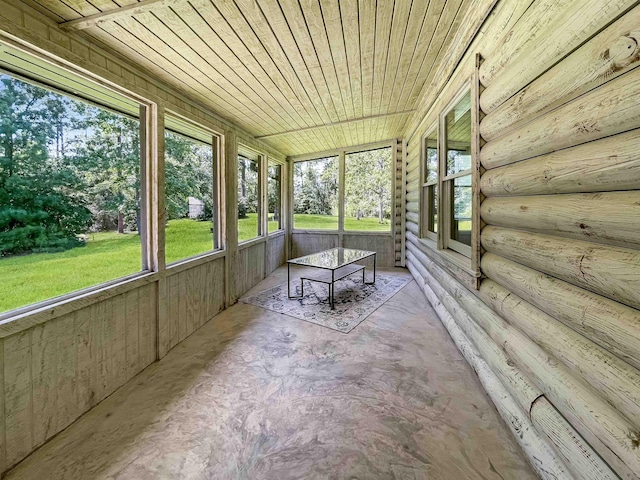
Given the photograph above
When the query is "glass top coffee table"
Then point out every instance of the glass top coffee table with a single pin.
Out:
(332, 265)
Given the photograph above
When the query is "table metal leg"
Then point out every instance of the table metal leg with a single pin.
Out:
(374, 272)
(289, 284)
(332, 289)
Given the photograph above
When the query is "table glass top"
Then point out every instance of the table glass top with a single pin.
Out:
(332, 259)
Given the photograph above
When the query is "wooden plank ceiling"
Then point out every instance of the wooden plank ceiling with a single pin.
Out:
(304, 75)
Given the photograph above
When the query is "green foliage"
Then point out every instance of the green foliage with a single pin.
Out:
(368, 184)
(315, 185)
(40, 207)
(188, 173)
(247, 186)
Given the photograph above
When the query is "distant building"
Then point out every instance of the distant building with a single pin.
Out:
(196, 207)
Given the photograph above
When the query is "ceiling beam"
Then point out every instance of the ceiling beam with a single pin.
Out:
(113, 14)
(333, 124)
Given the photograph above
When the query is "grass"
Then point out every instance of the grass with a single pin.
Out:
(28, 279)
(330, 222)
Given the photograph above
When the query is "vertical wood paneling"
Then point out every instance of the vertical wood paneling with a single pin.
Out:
(251, 266)
(66, 370)
(182, 301)
(132, 348)
(18, 399)
(43, 369)
(84, 392)
(276, 254)
(306, 243)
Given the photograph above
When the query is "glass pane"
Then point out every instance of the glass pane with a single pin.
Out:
(461, 215)
(458, 135)
(274, 192)
(433, 208)
(315, 194)
(69, 194)
(248, 199)
(367, 196)
(189, 199)
(431, 157)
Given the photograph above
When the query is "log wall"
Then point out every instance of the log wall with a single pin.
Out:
(58, 361)
(553, 330)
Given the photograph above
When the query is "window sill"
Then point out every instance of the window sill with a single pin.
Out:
(454, 263)
(251, 242)
(194, 261)
(23, 318)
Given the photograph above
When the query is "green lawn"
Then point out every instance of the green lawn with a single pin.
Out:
(107, 256)
(330, 222)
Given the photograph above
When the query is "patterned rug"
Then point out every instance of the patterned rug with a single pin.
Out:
(354, 301)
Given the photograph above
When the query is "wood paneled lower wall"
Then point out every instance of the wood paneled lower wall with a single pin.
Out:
(56, 370)
(55, 367)
(304, 243)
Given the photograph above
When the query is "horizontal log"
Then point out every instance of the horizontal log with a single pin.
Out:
(610, 217)
(413, 176)
(574, 449)
(614, 50)
(413, 167)
(413, 196)
(609, 109)
(567, 31)
(460, 274)
(577, 454)
(609, 432)
(613, 378)
(542, 457)
(412, 217)
(413, 207)
(610, 271)
(610, 324)
(533, 24)
(413, 228)
(609, 164)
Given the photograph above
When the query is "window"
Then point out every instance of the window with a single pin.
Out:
(430, 185)
(72, 203)
(249, 189)
(456, 182)
(367, 197)
(191, 180)
(315, 194)
(274, 197)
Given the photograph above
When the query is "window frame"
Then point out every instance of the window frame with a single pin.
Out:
(425, 205)
(42, 71)
(282, 225)
(216, 140)
(447, 181)
(341, 153)
(261, 159)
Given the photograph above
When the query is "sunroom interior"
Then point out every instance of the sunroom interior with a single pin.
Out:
(171, 171)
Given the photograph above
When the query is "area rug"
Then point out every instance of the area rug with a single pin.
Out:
(354, 301)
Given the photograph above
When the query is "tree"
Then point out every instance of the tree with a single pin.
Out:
(40, 207)
(368, 184)
(108, 153)
(247, 186)
(188, 173)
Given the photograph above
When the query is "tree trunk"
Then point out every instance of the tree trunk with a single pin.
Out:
(120, 222)
(381, 211)
(243, 180)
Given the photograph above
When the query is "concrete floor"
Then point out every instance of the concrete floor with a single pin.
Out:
(258, 395)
